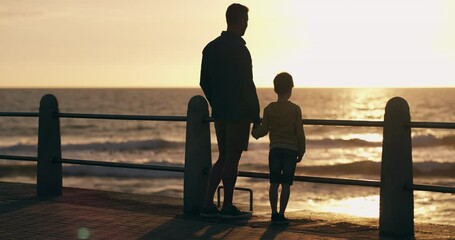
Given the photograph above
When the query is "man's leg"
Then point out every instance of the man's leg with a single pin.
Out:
(237, 136)
(214, 181)
(216, 172)
(229, 174)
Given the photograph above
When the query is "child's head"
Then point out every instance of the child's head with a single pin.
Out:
(282, 83)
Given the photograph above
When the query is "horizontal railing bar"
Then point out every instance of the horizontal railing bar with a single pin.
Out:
(19, 114)
(123, 165)
(361, 123)
(444, 125)
(339, 181)
(123, 117)
(363, 183)
(326, 122)
(332, 122)
(352, 182)
(430, 188)
(343, 123)
(18, 158)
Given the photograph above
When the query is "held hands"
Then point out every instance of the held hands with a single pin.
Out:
(254, 130)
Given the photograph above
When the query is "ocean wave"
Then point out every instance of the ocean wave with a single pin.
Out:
(80, 126)
(104, 146)
(417, 141)
(125, 146)
(340, 143)
(156, 144)
(369, 168)
(431, 140)
(89, 171)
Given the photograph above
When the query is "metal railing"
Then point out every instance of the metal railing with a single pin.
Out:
(197, 152)
(312, 179)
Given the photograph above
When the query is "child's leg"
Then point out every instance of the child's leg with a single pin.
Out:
(273, 196)
(275, 177)
(284, 197)
(289, 166)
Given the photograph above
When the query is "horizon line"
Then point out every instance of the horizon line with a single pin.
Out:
(258, 87)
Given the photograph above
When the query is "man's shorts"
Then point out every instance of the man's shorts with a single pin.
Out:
(232, 136)
(282, 164)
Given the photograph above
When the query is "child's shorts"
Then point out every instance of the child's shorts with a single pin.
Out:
(282, 164)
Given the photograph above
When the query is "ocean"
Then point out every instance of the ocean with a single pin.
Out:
(344, 152)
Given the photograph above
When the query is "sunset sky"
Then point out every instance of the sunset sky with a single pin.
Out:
(145, 43)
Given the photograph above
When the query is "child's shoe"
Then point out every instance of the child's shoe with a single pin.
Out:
(275, 217)
(279, 219)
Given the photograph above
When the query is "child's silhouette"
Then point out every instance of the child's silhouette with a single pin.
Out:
(283, 119)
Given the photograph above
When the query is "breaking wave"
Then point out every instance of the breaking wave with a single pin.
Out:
(155, 144)
(105, 146)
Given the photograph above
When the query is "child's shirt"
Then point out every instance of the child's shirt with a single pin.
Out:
(284, 122)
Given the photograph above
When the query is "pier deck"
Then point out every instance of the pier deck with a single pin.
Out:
(92, 214)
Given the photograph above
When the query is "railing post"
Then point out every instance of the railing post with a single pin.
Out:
(198, 158)
(49, 170)
(396, 219)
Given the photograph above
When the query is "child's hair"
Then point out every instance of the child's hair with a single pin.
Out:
(283, 83)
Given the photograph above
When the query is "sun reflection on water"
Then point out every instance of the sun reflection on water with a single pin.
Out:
(367, 206)
(367, 104)
(369, 137)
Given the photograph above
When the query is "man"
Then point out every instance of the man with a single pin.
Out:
(227, 82)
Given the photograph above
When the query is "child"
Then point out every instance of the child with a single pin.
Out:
(287, 143)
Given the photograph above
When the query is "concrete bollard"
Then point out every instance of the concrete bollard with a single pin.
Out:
(198, 158)
(49, 170)
(396, 219)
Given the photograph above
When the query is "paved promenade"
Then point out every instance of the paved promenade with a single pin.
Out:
(90, 214)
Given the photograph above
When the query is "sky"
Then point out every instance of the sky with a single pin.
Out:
(151, 43)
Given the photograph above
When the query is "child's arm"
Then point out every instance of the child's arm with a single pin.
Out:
(262, 129)
(300, 135)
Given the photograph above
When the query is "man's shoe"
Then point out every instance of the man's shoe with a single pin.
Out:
(212, 211)
(233, 212)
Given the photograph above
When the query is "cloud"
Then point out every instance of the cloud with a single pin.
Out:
(19, 9)
(7, 14)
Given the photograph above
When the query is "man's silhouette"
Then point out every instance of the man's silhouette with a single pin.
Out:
(227, 82)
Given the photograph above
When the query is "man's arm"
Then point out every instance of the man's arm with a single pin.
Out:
(245, 71)
(255, 106)
(205, 81)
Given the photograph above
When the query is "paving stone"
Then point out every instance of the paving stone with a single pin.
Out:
(91, 214)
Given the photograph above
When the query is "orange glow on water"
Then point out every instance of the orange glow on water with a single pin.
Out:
(358, 206)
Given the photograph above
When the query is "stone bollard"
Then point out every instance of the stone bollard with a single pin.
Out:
(396, 219)
(198, 155)
(49, 169)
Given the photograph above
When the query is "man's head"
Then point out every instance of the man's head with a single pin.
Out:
(283, 83)
(237, 18)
